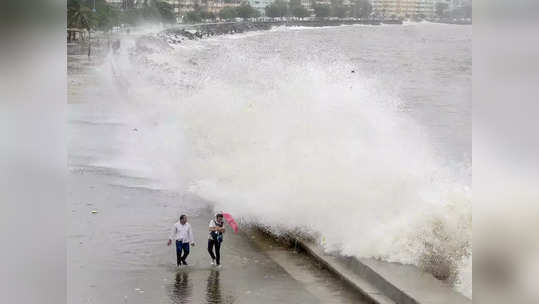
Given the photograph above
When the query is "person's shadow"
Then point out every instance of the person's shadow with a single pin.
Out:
(182, 291)
(213, 288)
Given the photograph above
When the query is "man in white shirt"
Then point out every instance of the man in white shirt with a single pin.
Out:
(183, 234)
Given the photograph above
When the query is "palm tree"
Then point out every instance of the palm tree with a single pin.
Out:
(79, 16)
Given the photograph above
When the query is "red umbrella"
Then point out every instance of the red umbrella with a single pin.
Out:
(231, 222)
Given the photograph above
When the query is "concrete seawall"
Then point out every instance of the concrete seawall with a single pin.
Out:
(381, 282)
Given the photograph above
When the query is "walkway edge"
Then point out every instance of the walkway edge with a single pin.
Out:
(383, 282)
(370, 291)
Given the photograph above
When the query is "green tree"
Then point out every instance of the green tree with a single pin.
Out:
(78, 15)
(441, 8)
(292, 4)
(129, 4)
(205, 15)
(105, 16)
(278, 8)
(337, 9)
(193, 16)
(131, 16)
(297, 9)
(361, 9)
(166, 12)
(245, 10)
(321, 10)
(228, 13)
(271, 11)
(149, 12)
(300, 12)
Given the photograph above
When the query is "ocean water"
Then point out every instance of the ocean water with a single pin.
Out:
(357, 135)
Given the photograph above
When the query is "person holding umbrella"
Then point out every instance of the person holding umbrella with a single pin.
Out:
(215, 239)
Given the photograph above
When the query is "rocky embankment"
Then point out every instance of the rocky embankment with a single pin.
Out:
(198, 31)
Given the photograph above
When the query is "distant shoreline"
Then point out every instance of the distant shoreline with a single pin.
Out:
(181, 32)
(175, 35)
(198, 31)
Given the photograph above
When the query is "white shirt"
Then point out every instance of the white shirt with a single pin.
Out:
(182, 233)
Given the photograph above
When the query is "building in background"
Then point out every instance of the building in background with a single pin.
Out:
(177, 6)
(260, 5)
(125, 4)
(403, 8)
(454, 9)
(456, 4)
(308, 4)
(116, 3)
(182, 7)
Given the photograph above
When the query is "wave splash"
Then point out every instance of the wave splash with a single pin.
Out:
(299, 147)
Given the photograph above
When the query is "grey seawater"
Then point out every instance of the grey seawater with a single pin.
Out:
(425, 68)
(119, 155)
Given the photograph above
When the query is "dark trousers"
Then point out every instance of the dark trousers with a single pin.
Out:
(179, 248)
(217, 255)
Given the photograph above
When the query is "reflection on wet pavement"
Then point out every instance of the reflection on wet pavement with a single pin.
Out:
(213, 291)
(182, 291)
